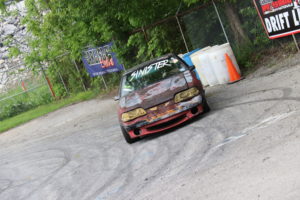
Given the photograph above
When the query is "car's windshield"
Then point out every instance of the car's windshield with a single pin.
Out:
(150, 74)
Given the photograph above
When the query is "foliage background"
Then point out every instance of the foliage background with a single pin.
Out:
(64, 27)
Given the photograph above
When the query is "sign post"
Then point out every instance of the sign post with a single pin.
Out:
(220, 20)
(296, 43)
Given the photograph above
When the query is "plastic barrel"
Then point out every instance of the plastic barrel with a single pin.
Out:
(186, 57)
(217, 59)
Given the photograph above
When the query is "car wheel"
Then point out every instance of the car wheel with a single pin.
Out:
(206, 107)
(127, 137)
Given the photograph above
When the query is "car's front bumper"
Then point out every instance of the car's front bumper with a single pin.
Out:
(165, 116)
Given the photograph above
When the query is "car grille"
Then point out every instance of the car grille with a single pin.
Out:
(166, 124)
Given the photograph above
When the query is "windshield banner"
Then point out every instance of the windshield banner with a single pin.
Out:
(280, 18)
(148, 69)
(101, 60)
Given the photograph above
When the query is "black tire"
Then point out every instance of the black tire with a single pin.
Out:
(206, 107)
(127, 137)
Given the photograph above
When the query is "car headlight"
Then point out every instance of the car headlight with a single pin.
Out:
(133, 114)
(187, 94)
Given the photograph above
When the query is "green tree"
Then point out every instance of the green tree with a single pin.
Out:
(62, 26)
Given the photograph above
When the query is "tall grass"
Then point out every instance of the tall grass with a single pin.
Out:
(23, 102)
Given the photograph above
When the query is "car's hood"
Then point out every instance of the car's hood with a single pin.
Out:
(154, 94)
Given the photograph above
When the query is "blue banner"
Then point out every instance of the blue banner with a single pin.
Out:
(101, 60)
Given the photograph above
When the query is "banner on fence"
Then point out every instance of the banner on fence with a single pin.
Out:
(101, 60)
(280, 18)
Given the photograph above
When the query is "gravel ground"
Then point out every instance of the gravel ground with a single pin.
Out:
(246, 148)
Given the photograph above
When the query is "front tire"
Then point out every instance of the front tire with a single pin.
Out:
(127, 137)
(205, 105)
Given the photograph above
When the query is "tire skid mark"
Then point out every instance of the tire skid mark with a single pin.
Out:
(5, 184)
(136, 160)
(261, 124)
(120, 168)
(168, 156)
(226, 140)
(285, 97)
(247, 131)
(49, 177)
(163, 169)
(37, 158)
(204, 154)
(129, 170)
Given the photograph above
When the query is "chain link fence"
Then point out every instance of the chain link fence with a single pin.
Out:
(202, 28)
(216, 23)
(21, 90)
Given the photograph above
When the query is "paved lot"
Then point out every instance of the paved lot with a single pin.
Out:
(246, 148)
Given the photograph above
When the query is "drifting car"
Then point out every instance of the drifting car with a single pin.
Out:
(158, 95)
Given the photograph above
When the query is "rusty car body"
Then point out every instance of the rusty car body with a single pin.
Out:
(158, 95)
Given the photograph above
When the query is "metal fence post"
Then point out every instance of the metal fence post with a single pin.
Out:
(220, 20)
(23, 86)
(79, 75)
(182, 34)
(62, 80)
(145, 34)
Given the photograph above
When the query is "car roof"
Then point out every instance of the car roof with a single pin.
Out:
(148, 63)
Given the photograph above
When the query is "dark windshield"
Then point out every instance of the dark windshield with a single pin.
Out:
(151, 74)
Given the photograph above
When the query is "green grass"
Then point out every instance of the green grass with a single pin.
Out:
(24, 102)
(18, 88)
(44, 109)
(11, 92)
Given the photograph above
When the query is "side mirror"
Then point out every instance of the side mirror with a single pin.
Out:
(192, 68)
(116, 98)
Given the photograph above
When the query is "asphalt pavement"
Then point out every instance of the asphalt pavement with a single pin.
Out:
(246, 148)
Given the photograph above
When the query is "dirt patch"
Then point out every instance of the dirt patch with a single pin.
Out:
(273, 60)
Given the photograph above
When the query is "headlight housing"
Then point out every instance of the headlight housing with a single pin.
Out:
(128, 116)
(187, 94)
